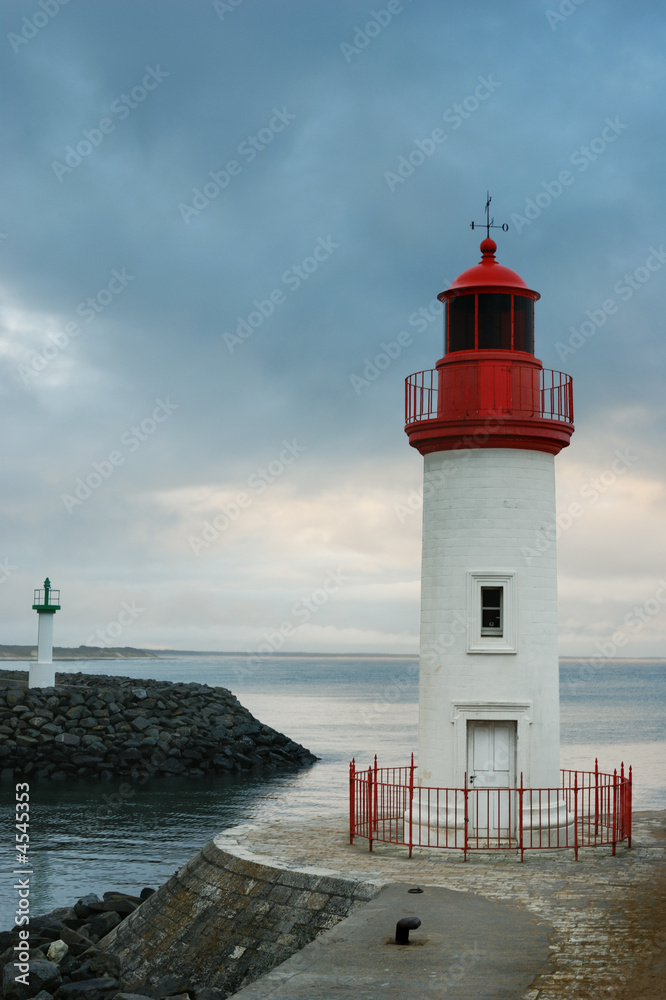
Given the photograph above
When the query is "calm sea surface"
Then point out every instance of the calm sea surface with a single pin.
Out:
(85, 837)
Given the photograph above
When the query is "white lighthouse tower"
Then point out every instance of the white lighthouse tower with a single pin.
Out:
(46, 602)
(489, 421)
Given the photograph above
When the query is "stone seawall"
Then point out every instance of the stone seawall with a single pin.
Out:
(101, 726)
(226, 918)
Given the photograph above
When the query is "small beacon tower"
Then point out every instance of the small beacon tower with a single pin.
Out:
(489, 420)
(46, 603)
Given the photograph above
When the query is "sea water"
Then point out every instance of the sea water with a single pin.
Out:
(88, 837)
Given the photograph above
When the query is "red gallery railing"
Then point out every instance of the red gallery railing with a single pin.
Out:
(510, 390)
(589, 809)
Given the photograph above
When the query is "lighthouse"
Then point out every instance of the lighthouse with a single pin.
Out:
(46, 602)
(489, 421)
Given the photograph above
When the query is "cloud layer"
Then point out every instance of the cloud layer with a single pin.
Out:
(218, 215)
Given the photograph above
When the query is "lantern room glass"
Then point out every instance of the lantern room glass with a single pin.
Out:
(460, 318)
(523, 324)
(494, 322)
(489, 321)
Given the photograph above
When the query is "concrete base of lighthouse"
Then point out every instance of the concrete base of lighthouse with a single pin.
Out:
(546, 824)
(41, 675)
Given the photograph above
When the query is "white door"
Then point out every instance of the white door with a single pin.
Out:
(491, 767)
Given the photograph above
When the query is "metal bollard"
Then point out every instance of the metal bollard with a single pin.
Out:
(403, 927)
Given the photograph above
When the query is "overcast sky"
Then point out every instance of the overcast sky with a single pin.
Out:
(216, 215)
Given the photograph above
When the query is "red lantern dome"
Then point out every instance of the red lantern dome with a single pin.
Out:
(489, 275)
(489, 390)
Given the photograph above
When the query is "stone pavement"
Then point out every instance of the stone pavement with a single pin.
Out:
(605, 915)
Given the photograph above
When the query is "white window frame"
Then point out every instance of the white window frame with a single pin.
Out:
(507, 642)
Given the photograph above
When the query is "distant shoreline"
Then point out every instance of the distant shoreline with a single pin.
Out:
(64, 653)
(60, 653)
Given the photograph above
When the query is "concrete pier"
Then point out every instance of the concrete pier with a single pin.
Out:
(240, 914)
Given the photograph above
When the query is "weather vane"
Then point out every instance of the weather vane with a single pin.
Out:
(489, 223)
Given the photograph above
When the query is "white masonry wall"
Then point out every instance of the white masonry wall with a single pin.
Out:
(42, 673)
(45, 638)
(485, 510)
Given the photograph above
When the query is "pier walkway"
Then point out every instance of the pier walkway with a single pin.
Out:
(492, 928)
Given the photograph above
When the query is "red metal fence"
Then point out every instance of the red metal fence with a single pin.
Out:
(468, 390)
(589, 809)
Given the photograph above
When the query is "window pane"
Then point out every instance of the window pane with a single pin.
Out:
(461, 323)
(491, 609)
(495, 321)
(523, 324)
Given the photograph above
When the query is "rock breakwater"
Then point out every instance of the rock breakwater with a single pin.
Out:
(100, 726)
(61, 954)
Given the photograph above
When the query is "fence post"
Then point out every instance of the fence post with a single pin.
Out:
(371, 822)
(596, 798)
(352, 803)
(375, 810)
(615, 804)
(622, 820)
(520, 818)
(411, 804)
(629, 797)
(466, 822)
(576, 815)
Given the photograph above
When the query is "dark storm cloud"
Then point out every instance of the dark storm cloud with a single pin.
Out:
(239, 208)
